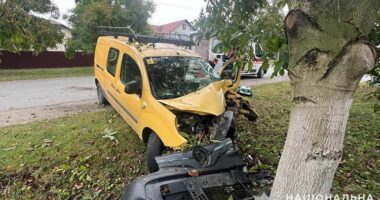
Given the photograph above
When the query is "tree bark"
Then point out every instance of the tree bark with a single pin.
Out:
(328, 56)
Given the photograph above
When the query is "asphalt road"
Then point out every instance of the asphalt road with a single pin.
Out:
(30, 100)
(251, 80)
(34, 93)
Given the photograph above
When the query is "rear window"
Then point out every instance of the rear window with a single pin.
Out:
(113, 56)
(259, 51)
(216, 47)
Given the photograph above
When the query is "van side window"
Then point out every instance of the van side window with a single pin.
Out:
(113, 55)
(130, 70)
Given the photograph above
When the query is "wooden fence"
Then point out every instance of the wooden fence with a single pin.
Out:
(46, 59)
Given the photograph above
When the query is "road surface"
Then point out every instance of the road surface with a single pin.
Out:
(251, 81)
(30, 100)
(33, 93)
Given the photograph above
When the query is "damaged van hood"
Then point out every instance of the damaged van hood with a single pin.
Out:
(208, 100)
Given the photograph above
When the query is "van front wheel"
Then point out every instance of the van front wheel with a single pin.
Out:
(155, 148)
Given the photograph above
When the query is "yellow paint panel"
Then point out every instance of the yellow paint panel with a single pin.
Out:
(208, 100)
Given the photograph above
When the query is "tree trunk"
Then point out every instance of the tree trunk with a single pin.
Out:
(328, 56)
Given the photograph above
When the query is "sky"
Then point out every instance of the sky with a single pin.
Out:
(166, 10)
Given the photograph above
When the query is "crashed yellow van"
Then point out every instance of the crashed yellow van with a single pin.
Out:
(166, 93)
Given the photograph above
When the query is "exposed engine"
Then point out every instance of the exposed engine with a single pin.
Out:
(201, 129)
(205, 127)
(239, 105)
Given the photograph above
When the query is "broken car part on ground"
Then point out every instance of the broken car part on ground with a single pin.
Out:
(211, 172)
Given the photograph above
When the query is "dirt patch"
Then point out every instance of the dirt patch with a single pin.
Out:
(26, 115)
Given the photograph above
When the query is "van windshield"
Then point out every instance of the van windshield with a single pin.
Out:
(176, 76)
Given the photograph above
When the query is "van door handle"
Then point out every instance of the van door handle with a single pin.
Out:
(98, 66)
(117, 90)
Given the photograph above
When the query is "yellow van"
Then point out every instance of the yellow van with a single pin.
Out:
(166, 93)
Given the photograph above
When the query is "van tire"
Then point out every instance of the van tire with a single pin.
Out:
(101, 98)
(260, 74)
(155, 148)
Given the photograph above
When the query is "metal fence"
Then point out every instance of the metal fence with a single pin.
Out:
(46, 59)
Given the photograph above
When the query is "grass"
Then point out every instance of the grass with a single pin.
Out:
(88, 155)
(94, 155)
(26, 74)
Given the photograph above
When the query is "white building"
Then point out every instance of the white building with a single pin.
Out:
(67, 35)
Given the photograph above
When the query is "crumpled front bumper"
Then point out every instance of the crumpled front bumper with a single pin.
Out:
(173, 179)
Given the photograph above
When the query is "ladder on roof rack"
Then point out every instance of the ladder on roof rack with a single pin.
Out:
(176, 39)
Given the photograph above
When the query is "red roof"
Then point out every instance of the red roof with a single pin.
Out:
(167, 28)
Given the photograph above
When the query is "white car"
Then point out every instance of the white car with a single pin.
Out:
(257, 70)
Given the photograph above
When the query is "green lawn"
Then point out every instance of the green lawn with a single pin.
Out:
(94, 155)
(25, 74)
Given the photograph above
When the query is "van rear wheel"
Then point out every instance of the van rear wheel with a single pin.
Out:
(155, 148)
(260, 74)
(101, 98)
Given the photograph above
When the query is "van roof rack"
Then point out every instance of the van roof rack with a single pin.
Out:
(176, 39)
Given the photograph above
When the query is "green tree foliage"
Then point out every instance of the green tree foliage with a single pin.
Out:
(374, 37)
(89, 14)
(237, 22)
(21, 30)
(234, 21)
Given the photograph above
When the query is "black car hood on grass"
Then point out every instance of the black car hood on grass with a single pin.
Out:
(221, 177)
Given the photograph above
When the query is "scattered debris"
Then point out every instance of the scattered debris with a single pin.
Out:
(10, 148)
(193, 172)
(245, 91)
(109, 134)
(47, 143)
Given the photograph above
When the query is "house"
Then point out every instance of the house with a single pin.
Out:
(174, 29)
(67, 31)
(183, 27)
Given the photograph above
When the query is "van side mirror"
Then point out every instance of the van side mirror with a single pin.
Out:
(132, 87)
